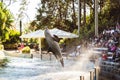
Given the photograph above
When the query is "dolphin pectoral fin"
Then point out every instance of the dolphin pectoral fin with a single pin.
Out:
(56, 38)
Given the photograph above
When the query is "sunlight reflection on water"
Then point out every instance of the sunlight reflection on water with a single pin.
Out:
(36, 69)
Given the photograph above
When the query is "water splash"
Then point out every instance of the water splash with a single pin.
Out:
(36, 69)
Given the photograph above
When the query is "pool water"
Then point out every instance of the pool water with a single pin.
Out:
(37, 69)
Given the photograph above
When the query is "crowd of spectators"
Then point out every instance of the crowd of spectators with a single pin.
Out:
(110, 39)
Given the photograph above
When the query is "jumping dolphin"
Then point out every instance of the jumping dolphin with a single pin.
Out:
(54, 46)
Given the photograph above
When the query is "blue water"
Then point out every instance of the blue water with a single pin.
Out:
(31, 69)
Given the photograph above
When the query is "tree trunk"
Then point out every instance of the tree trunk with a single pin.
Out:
(59, 9)
(84, 13)
(74, 15)
(79, 16)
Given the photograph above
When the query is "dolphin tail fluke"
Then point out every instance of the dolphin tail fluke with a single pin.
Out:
(62, 62)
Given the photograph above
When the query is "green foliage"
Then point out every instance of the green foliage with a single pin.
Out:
(62, 14)
(108, 17)
(6, 19)
(62, 41)
(1, 47)
(14, 36)
(26, 50)
(32, 40)
(57, 13)
(10, 46)
(75, 31)
(11, 43)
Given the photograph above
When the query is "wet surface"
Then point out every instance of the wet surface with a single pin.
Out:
(36, 69)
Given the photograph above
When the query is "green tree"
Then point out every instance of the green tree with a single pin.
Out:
(14, 37)
(57, 13)
(62, 14)
(6, 19)
(108, 16)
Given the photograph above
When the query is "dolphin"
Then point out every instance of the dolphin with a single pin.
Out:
(52, 41)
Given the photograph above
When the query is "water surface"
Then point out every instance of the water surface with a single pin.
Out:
(37, 69)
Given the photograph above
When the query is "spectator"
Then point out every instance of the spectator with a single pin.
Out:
(20, 47)
(104, 56)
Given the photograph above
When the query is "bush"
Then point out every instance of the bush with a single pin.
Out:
(9, 46)
(26, 50)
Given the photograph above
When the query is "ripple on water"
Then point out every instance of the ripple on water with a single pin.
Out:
(36, 69)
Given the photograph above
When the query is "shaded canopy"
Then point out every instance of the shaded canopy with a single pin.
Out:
(55, 31)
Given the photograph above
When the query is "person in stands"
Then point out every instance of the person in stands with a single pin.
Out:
(104, 56)
(20, 47)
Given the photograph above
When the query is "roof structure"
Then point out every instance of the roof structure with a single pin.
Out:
(55, 31)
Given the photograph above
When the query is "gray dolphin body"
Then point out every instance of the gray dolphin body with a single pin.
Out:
(53, 46)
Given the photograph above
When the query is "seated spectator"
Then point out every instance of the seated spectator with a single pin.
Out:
(20, 47)
(113, 56)
(118, 27)
(117, 58)
(112, 48)
(104, 56)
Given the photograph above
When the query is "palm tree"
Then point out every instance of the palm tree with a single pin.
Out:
(5, 22)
